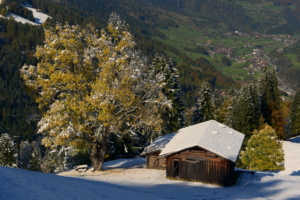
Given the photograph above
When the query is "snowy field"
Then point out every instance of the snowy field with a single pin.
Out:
(39, 17)
(127, 179)
(21, 19)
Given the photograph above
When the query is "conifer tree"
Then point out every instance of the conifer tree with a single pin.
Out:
(173, 118)
(205, 105)
(36, 157)
(30, 156)
(7, 151)
(244, 112)
(264, 151)
(90, 85)
(57, 159)
(222, 103)
(25, 155)
(295, 114)
(269, 92)
(270, 101)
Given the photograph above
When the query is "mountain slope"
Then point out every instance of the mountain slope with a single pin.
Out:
(17, 109)
(265, 16)
(97, 12)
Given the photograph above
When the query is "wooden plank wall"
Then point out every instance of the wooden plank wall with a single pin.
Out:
(200, 165)
(154, 161)
(207, 171)
(198, 154)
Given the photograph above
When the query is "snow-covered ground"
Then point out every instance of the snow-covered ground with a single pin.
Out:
(127, 179)
(21, 19)
(39, 17)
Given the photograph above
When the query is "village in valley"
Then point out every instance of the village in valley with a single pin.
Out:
(247, 53)
(257, 59)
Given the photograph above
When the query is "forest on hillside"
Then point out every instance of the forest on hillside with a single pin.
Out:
(235, 14)
(285, 65)
(21, 40)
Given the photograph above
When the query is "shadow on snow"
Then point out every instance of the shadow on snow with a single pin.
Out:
(49, 186)
(295, 140)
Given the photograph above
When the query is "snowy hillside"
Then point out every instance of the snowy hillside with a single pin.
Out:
(21, 19)
(127, 179)
(39, 17)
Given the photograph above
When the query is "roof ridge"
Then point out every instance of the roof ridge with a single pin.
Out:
(202, 136)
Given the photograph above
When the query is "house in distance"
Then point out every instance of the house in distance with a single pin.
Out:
(154, 149)
(204, 152)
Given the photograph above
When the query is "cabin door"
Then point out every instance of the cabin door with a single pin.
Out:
(176, 168)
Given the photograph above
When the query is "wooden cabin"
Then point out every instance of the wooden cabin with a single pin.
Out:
(197, 164)
(204, 152)
(154, 149)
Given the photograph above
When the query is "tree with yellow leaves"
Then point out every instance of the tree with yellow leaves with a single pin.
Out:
(90, 84)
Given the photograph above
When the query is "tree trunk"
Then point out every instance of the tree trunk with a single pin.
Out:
(98, 152)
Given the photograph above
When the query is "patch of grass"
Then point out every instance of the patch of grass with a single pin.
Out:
(268, 49)
(238, 73)
(263, 12)
(294, 59)
(243, 51)
(264, 42)
(173, 56)
(297, 35)
(264, 5)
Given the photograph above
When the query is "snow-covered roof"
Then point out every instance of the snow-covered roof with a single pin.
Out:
(210, 135)
(158, 144)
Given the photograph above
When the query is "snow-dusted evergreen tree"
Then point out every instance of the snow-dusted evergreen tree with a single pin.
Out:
(173, 118)
(58, 159)
(36, 157)
(30, 156)
(90, 85)
(244, 111)
(205, 105)
(25, 155)
(222, 102)
(264, 151)
(270, 102)
(295, 114)
(52, 162)
(7, 151)
(268, 89)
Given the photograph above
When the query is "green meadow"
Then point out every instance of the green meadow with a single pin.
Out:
(294, 60)
(191, 36)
